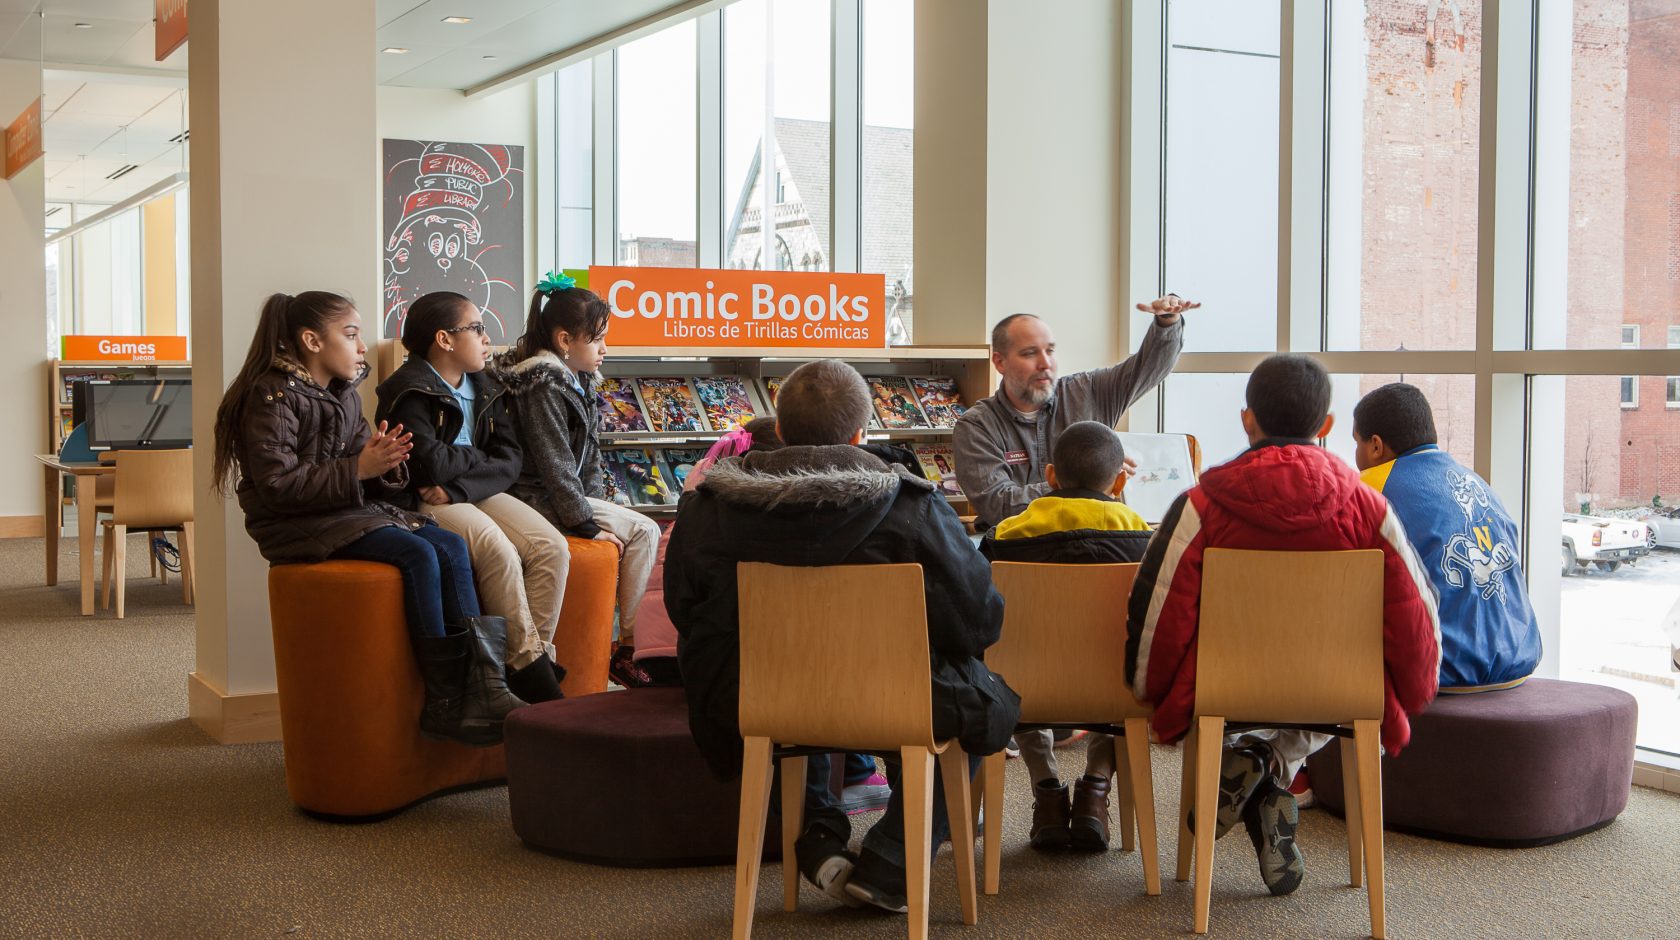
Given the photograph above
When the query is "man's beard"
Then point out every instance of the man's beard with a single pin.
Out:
(1029, 394)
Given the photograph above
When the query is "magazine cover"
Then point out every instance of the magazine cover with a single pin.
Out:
(670, 404)
(939, 464)
(620, 409)
(725, 399)
(612, 491)
(939, 399)
(638, 477)
(679, 461)
(895, 403)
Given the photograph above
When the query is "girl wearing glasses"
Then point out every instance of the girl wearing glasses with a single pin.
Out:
(466, 455)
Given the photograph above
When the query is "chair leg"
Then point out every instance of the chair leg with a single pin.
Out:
(1186, 799)
(1210, 738)
(119, 565)
(1123, 795)
(105, 570)
(1142, 775)
(749, 846)
(1351, 812)
(793, 813)
(953, 766)
(991, 775)
(1366, 740)
(187, 586)
(918, 834)
(152, 562)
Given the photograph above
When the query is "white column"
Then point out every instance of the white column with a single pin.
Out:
(950, 175)
(285, 198)
(23, 307)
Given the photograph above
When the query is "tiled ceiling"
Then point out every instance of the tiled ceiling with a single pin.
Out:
(108, 104)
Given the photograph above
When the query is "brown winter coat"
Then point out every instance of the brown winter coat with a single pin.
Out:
(298, 482)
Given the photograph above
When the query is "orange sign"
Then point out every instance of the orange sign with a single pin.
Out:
(711, 307)
(125, 348)
(23, 139)
(170, 20)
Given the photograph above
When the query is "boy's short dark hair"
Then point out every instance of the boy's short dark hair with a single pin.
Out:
(1087, 456)
(822, 402)
(1289, 396)
(1399, 414)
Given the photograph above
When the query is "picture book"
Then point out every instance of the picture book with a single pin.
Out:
(679, 461)
(939, 464)
(1164, 470)
(895, 403)
(669, 404)
(621, 410)
(939, 399)
(725, 399)
(637, 476)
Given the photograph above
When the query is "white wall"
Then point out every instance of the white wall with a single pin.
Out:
(23, 309)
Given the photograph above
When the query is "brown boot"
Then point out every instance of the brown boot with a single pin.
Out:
(1050, 816)
(1089, 828)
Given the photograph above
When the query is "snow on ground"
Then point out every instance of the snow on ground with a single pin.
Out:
(1613, 635)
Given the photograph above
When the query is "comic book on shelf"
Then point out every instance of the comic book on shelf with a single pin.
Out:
(725, 400)
(895, 404)
(621, 410)
(940, 401)
(772, 386)
(679, 462)
(637, 477)
(669, 404)
(939, 464)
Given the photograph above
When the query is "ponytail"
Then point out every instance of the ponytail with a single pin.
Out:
(282, 321)
(576, 310)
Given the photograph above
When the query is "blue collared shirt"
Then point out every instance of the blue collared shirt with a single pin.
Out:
(465, 396)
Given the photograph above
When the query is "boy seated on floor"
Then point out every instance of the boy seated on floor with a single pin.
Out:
(1461, 531)
(820, 500)
(1283, 493)
(1080, 521)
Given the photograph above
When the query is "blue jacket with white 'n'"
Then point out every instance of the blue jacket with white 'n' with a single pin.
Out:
(1468, 544)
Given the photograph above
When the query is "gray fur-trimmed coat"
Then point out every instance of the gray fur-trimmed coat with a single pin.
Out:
(829, 506)
(558, 431)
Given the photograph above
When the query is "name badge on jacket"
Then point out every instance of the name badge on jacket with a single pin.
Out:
(1015, 457)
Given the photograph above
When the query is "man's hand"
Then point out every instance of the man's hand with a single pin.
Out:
(1166, 309)
(383, 452)
(1128, 469)
(434, 496)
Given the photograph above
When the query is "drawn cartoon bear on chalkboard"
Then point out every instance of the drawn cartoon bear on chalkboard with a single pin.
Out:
(454, 216)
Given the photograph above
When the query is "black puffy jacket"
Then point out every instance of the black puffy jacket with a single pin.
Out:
(416, 397)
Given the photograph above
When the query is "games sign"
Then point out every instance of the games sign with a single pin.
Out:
(683, 307)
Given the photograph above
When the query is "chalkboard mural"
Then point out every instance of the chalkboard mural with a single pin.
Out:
(454, 220)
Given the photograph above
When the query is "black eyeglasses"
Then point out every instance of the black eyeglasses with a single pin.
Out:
(474, 327)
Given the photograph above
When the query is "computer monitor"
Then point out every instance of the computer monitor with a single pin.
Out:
(139, 414)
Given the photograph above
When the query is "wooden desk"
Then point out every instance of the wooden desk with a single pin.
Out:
(85, 512)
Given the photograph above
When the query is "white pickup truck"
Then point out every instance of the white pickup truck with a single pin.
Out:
(1594, 540)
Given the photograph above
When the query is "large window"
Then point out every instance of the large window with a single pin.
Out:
(658, 176)
(889, 121)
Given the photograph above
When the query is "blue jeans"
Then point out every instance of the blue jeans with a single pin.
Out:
(886, 837)
(436, 573)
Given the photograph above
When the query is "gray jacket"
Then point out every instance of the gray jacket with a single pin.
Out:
(558, 430)
(1001, 453)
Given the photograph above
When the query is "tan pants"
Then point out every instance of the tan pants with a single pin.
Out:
(519, 565)
(640, 536)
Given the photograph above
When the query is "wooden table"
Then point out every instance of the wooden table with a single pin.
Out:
(85, 472)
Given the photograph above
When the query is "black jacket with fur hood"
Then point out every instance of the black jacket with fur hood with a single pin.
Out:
(558, 431)
(298, 450)
(829, 506)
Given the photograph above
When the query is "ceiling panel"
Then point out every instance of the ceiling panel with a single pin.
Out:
(140, 11)
(56, 91)
(141, 52)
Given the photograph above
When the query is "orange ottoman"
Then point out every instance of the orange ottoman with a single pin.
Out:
(350, 694)
(583, 638)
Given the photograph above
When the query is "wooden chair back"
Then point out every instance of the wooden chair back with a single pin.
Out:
(1291, 637)
(153, 488)
(835, 655)
(1063, 648)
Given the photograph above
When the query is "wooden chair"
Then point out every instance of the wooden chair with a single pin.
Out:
(153, 491)
(1063, 650)
(806, 635)
(1294, 640)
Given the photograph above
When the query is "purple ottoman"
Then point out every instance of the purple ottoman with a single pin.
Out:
(1540, 763)
(615, 779)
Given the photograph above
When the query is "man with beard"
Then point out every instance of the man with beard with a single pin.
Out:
(1003, 442)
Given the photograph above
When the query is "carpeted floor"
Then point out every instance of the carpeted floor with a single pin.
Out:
(119, 818)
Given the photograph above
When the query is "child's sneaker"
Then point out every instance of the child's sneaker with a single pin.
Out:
(825, 862)
(1052, 811)
(623, 670)
(1271, 818)
(879, 882)
(1240, 773)
(869, 794)
(1012, 751)
(1301, 789)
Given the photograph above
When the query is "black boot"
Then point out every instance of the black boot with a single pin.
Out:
(443, 671)
(486, 697)
(535, 681)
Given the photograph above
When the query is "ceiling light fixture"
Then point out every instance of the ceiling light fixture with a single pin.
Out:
(394, 50)
(457, 20)
(84, 25)
(487, 57)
